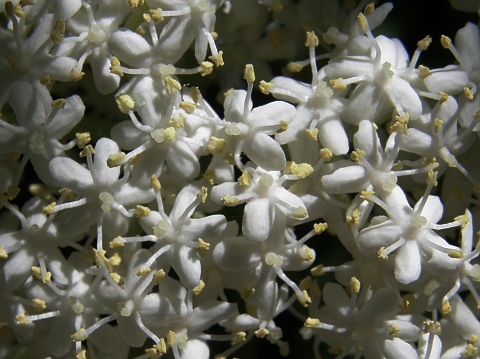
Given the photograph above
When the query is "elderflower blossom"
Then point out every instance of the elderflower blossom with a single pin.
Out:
(149, 209)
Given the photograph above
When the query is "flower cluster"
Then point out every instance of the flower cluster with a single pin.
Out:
(168, 225)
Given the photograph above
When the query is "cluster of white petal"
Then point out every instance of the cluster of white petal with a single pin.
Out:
(167, 224)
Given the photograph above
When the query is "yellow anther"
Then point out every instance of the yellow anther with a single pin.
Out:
(135, 3)
(22, 319)
(294, 67)
(3, 253)
(237, 337)
(198, 289)
(432, 177)
(354, 285)
(147, 18)
(116, 243)
(300, 212)
(338, 84)
(159, 275)
(468, 93)
(307, 254)
(171, 84)
(407, 302)
(312, 39)
(366, 195)
(357, 155)
(446, 42)
(317, 271)
(464, 219)
(178, 123)
(394, 329)
(75, 75)
(49, 209)
(311, 322)
(326, 154)
(61, 102)
(155, 183)
(446, 307)
(142, 211)
(362, 21)
(305, 283)
(303, 170)
(187, 106)
(244, 179)
(312, 134)
(429, 326)
(472, 339)
(443, 97)
(206, 68)
(381, 253)
(469, 352)
(82, 354)
(261, 333)
(210, 177)
(143, 271)
(39, 304)
(304, 299)
(125, 103)
(161, 347)
(156, 14)
(283, 126)
(249, 73)
(80, 335)
(116, 159)
(320, 227)
(202, 245)
(437, 124)
(455, 253)
(229, 201)
(87, 150)
(369, 9)
(423, 71)
(171, 338)
(424, 43)
(203, 194)
(195, 93)
(218, 59)
(216, 145)
(82, 139)
(46, 80)
(115, 66)
(273, 259)
(265, 87)
(116, 277)
(37, 272)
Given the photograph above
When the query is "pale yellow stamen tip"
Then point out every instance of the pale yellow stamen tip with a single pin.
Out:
(155, 183)
(261, 333)
(80, 335)
(320, 227)
(446, 42)
(355, 285)
(188, 107)
(312, 39)
(244, 179)
(317, 271)
(159, 275)
(198, 289)
(82, 139)
(116, 159)
(265, 87)
(312, 134)
(39, 304)
(294, 67)
(218, 60)
(249, 73)
(311, 322)
(49, 209)
(125, 103)
(143, 271)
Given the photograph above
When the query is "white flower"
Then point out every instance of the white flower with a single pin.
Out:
(407, 231)
(265, 199)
